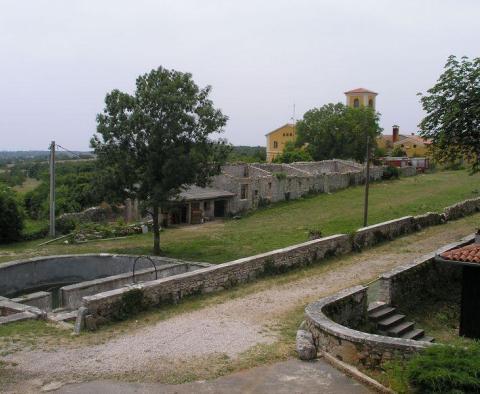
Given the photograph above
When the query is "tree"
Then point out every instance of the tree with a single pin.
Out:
(453, 112)
(11, 218)
(338, 131)
(398, 151)
(292, 153)
(154, 143)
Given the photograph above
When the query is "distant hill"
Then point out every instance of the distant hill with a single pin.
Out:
(7, 157)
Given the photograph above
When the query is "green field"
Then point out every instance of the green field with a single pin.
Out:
(284, 223)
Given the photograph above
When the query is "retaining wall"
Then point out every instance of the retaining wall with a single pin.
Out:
(336, 322)
(332, 322)
(104, 306)
(368, 236)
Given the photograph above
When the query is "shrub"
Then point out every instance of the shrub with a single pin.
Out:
(446, 369)
(131, 303)
(390, 172)
(11, 217)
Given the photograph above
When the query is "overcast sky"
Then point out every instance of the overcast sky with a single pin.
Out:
(58, 59)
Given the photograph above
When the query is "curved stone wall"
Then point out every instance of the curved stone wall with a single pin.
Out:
(329, 319)
(17, 276)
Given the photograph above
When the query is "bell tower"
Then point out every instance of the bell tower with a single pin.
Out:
(361, 98)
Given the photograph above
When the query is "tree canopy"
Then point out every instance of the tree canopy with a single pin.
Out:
(152, 144)
(453, 112)
(292, 153)
(11, 218)
(338, 131)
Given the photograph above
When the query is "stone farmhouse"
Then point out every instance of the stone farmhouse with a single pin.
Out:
(243, 187)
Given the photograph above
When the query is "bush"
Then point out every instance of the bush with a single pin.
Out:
(11, 217)
(446, 369)
(391, 173)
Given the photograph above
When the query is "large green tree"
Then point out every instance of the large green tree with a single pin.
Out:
(11, 217)
(152, 144)
(453, 112)
(338, 131)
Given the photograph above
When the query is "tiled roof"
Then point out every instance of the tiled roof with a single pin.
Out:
(469, 253)
(360, 90)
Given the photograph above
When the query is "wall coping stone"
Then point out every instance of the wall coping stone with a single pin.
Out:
(377, 225)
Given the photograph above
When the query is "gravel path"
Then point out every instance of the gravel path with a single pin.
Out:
(232, 326)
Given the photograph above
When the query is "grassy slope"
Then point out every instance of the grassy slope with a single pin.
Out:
(285, 223)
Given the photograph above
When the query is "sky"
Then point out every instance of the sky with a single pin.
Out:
(58, 59)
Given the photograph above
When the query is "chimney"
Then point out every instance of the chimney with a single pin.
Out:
(395, 133)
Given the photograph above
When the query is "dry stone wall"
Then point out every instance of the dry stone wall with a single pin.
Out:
(105, 305)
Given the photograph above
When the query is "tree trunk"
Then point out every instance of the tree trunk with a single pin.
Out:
(156, 231)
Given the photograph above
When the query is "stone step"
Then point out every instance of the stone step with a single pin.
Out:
(413, 334)
(382, 313)
(63, 316)
(426, 338)
(390, 321)
(399, 329)
(374, 306)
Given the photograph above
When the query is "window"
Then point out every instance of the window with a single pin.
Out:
(356, 103)
(256, 194)
(269, 186)
(206, 205)
(413, 146)
(245, 171)
(275, 144)
(244, 192)
(370, 103)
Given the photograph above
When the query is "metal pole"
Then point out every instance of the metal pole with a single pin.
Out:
(52, 189)
(367, 183)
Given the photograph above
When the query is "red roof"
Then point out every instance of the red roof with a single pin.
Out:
(361, 90)
(469, 254)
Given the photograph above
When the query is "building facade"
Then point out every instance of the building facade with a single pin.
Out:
(277, 139)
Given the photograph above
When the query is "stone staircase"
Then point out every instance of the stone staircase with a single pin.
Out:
(390, 323)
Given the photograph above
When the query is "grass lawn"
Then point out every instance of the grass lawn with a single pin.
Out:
(28, 185)
(284, 223)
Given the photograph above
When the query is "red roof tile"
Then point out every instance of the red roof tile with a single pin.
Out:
(469, 253)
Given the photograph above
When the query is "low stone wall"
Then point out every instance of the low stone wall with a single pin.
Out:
(41, 300)
(369, 236)
(332, 322)
(428, 219)
(423, 280)
(462, 209)
(71, 296)
(105, 305)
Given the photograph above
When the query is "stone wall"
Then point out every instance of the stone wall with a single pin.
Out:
(105, 305)
(423, 280)
(462, 209)
(368, 236)
(41, 300)
(333, 322)
(71, 296)
(279, 182)
(336, 321)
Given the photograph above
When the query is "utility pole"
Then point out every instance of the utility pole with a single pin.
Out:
(52, 189)
(367, 183)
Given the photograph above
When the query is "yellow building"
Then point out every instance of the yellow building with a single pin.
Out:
(361, 97)
(277, 139)
(413, 145)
